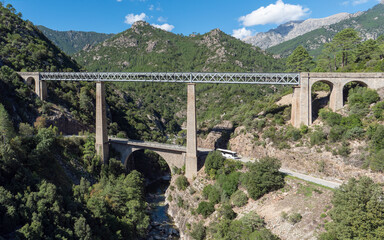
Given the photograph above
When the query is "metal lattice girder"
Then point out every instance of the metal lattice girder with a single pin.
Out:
(248, 78)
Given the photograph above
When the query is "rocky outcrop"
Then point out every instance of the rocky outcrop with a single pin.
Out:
(218, 136)
(315, 161)
(64, 121)
(293, 29)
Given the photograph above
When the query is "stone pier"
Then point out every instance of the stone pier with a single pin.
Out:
(102, 145)
(191, 155)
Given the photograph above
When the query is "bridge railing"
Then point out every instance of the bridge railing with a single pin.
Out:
(240, 78)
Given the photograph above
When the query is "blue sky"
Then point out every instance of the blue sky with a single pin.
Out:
(238, 17)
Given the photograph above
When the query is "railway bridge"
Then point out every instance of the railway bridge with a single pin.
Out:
(301, 101)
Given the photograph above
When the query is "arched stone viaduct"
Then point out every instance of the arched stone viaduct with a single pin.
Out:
(302, 98)
(301, 102)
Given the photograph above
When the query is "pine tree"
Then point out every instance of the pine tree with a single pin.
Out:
(300, 60)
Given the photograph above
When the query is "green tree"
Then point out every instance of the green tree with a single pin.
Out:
(358, 211)
(213, 163)
(7, 131)
(344, 42)
(300, 60)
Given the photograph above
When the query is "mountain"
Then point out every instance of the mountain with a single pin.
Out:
(146, 48)
(370, 25)
(73, 41)
(294, 29)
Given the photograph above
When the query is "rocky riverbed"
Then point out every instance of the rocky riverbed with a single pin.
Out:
(161, 224)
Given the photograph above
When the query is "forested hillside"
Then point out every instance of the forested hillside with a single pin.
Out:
(73, 41)
(370, 25)
(146, 48)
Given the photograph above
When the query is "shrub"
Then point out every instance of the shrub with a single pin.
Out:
(229, 183)
(182, 182)
(211, 193)
(377, 138)
(317, 137)
(214, 162)
(331, 118)
(378, 110)
(336, 133)
(226, 211)
(295, 218)
(376, 161)
(198, 231)
(239, 198)
(263, 177)
(351, 121)
(205, 208)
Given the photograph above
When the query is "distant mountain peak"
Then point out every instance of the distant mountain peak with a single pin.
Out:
(139, 24)
(292, 29)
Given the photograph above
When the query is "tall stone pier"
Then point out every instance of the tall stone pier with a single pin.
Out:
(102, 145)
(191, 155)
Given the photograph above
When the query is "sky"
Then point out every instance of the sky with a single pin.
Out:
(240, 18)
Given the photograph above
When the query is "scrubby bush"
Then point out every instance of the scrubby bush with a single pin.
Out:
(376, 161)
(205, 208)
(239, 198)
(182, 182)
(211, 193)
(214, 162)
(378, 110)
(226, 211)
(198, 231)
(229, 183)
(295, 218)
(317, 137)
(263, 177)
(336, 133)
(331, 118)
(377, 138)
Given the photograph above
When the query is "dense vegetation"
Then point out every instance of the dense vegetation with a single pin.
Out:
(71, 42)
(230, 178)
(146, 48)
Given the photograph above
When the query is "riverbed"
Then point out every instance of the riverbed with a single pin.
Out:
(161, 226)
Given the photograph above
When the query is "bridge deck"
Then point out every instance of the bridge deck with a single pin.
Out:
(192, 77)
(153, 145)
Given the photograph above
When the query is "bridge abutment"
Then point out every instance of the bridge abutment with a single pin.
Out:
(191, 154)
(102, 144)
(40, 86)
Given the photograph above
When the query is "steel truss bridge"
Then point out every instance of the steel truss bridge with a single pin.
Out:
(240, 78)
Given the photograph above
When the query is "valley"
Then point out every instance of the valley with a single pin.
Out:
(53, 186)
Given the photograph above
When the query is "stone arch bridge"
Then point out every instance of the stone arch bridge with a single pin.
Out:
(177, 155)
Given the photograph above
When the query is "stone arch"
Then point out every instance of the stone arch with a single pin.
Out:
(31, 82)
(171, 158)
(318, 103)
(346, 87)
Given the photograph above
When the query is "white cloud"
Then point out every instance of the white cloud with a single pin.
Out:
(161, 19)
(274, 13)
(358, 2)
(164, 26)
(119, 0)
(241, 33)
(151, 7)
(131, 18)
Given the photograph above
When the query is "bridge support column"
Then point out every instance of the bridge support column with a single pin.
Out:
(102, 145)
(191, 155)
(336, 98)
(302, 103)
(41, 89)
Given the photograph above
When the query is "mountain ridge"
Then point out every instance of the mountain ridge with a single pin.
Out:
(293, 29)
(71, 41)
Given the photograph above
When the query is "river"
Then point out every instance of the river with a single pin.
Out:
(161, 224)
